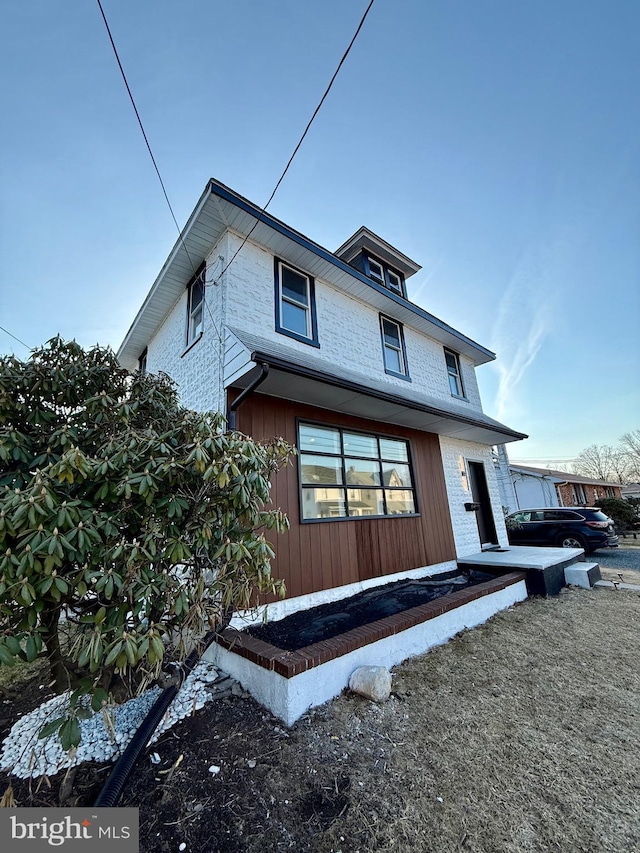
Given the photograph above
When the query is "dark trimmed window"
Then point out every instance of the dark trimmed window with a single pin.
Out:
(345, 474)
(393, 349)
(383, 275)
(195, 306)
(295, 304)
(142, 363)
(455, 376)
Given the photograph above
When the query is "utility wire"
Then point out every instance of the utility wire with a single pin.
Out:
(300, 141)
(286, 168)
(7, 332)
(155, 165)
(135, 109)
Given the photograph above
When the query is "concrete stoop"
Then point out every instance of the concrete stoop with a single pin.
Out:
(544, 567)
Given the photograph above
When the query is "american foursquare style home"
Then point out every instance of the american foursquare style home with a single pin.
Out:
(394, 477)
(394, 471)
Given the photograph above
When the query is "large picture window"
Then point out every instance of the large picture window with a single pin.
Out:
(295, 304)
(346, 474)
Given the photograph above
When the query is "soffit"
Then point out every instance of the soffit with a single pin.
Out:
(303, 378)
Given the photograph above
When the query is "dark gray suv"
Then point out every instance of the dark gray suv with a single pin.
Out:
(562, 527)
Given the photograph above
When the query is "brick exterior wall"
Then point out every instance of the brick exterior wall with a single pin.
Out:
(569, 493)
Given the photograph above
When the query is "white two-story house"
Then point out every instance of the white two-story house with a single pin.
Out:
(394, 475)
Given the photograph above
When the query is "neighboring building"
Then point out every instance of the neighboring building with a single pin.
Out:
(326, 350)
(529, 488)
(631, 490)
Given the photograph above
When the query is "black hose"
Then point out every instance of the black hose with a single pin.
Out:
(114, 785)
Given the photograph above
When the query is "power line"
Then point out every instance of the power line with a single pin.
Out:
(7, 332)
(135, 109)
(306, 130)
(284, 172)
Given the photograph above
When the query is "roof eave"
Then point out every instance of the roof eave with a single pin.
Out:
(488, 433)
(188, 252)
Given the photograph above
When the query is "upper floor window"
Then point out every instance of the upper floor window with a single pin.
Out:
(142, 363)
(384, 276)
(455, 376)
(345, 474)
(295, 304)
(195, 307)
(395, 358)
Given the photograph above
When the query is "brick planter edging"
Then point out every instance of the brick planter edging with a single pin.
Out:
(288, 664)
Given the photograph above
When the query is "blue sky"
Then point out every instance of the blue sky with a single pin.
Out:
(496, 143)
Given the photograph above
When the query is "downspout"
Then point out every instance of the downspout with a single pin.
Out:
(242, 396)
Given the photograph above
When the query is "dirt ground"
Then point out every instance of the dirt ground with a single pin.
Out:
(519, 735)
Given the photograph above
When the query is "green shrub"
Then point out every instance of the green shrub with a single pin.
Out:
(139, 521)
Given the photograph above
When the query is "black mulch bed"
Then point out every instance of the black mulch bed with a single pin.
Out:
(328, 620)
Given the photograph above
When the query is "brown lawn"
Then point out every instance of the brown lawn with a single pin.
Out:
(520, 735)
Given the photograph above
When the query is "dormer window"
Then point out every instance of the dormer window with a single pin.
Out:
(381, 274)
(376, 271)
(381, 262)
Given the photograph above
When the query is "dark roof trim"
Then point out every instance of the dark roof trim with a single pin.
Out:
(244, 204)
(329, 379)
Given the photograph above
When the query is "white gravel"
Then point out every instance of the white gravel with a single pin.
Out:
(25, 755)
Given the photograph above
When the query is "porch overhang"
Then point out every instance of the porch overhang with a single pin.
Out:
(302, 383)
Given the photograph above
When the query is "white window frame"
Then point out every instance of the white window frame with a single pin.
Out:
(195, 314)
(394, 286)
(378, 275)
(454, 373)
(400, 349)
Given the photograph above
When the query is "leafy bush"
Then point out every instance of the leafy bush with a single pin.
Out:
(138, 521)
(621, 511)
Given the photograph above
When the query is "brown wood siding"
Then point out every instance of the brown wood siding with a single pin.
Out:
(314, 556)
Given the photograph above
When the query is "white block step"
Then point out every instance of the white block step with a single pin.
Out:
(582, 574)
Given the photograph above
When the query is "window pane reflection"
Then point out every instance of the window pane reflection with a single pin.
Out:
(323, 503)
(365, 502)
(320, 469)
(399, 501)
(392, 449)
(360, 445)
(394, 474)
(319, 439)
(361, 472)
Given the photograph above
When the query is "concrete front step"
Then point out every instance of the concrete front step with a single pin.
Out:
(582, 574)
(544, 567)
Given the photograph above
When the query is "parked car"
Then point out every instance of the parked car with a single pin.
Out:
(562, 527)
